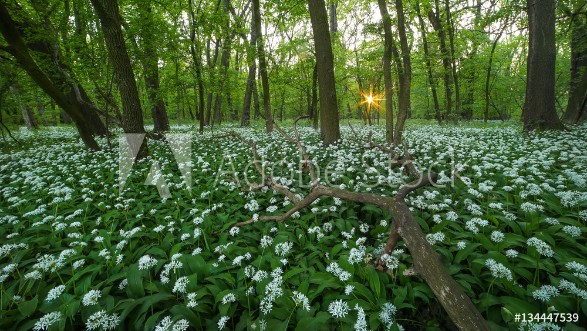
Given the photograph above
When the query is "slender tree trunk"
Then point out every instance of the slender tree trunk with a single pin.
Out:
(455, 75)
(405, 75)
(150, 63)
(488, 76)
(539, 111)
(577, 106)
(387, 78)
(431, 80)
(251, 81)
(262, 67)
(196, 57)
(132, 115)
(314, 105)
(434, 17)
(329, 125)
(224, 64)
(18, 49)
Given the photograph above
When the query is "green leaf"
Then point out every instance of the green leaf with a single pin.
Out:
(135, 282)
(27, 308)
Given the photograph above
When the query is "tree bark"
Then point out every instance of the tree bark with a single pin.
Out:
(196, 57)
(18, 49)
(314, 105)
(539, 108)
(405, 75)
(434, 16)
(387, 78)
(577, 106)
(150, 61)
(251, 81)
(132, 116)
(431, 80)
(488, 75)
(262, 67)
(455, 75)
(329, 121)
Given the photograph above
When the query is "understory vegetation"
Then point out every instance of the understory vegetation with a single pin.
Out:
(507, 216)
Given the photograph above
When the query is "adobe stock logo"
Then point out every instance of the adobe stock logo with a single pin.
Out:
(181, 147)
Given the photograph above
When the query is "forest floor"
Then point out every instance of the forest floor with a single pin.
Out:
(508, 216)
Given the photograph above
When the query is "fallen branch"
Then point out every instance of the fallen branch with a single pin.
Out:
(427, 263)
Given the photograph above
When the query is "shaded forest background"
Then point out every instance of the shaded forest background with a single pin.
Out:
(189, 57)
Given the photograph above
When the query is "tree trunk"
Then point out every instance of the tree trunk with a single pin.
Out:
(198, 64)
(488, 76)
(251, 81)
(150, 63)
(434, 17)
(18, 49)
(224, 64)
(314, 105)
(455, 75)
(132, 116)
(539, 111)
(431, 80)
(329, 126)
(387, 78)
(577, 106)
(405, 75)
(262, 66)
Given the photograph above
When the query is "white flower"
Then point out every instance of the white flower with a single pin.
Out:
(101, 320)
(336, 270)
(361, 323)
(47, 320)
(338, 308)
(301, 300)
(283, 248)
(387, 313)
(228, 298)
(180, 285)
(571, 230)
(545, 293)
(543, 248)
(356, 255)
(165, 324)
(54, 293)
(91, 298)
(348, 289)
(146, 262)
(266, 241)
(498, 270)
(497, 236)
(511, 253)
(192, 300)
(222, 322)
(234, 231)
(461, 245)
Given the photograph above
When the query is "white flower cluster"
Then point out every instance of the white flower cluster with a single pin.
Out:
(387, 314)
(273, 291)
(167, 268)
(543, 248)
(301, 300)
(282, 249)
(433, 238)
(47, 320)
(91, 298)
(146, 262)
(545, 293)
(357, 255)
(498, 270)
(336, 270)
(167, 324)
(102, 321)
(338, 308)
(473, 224)
(181, 285)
